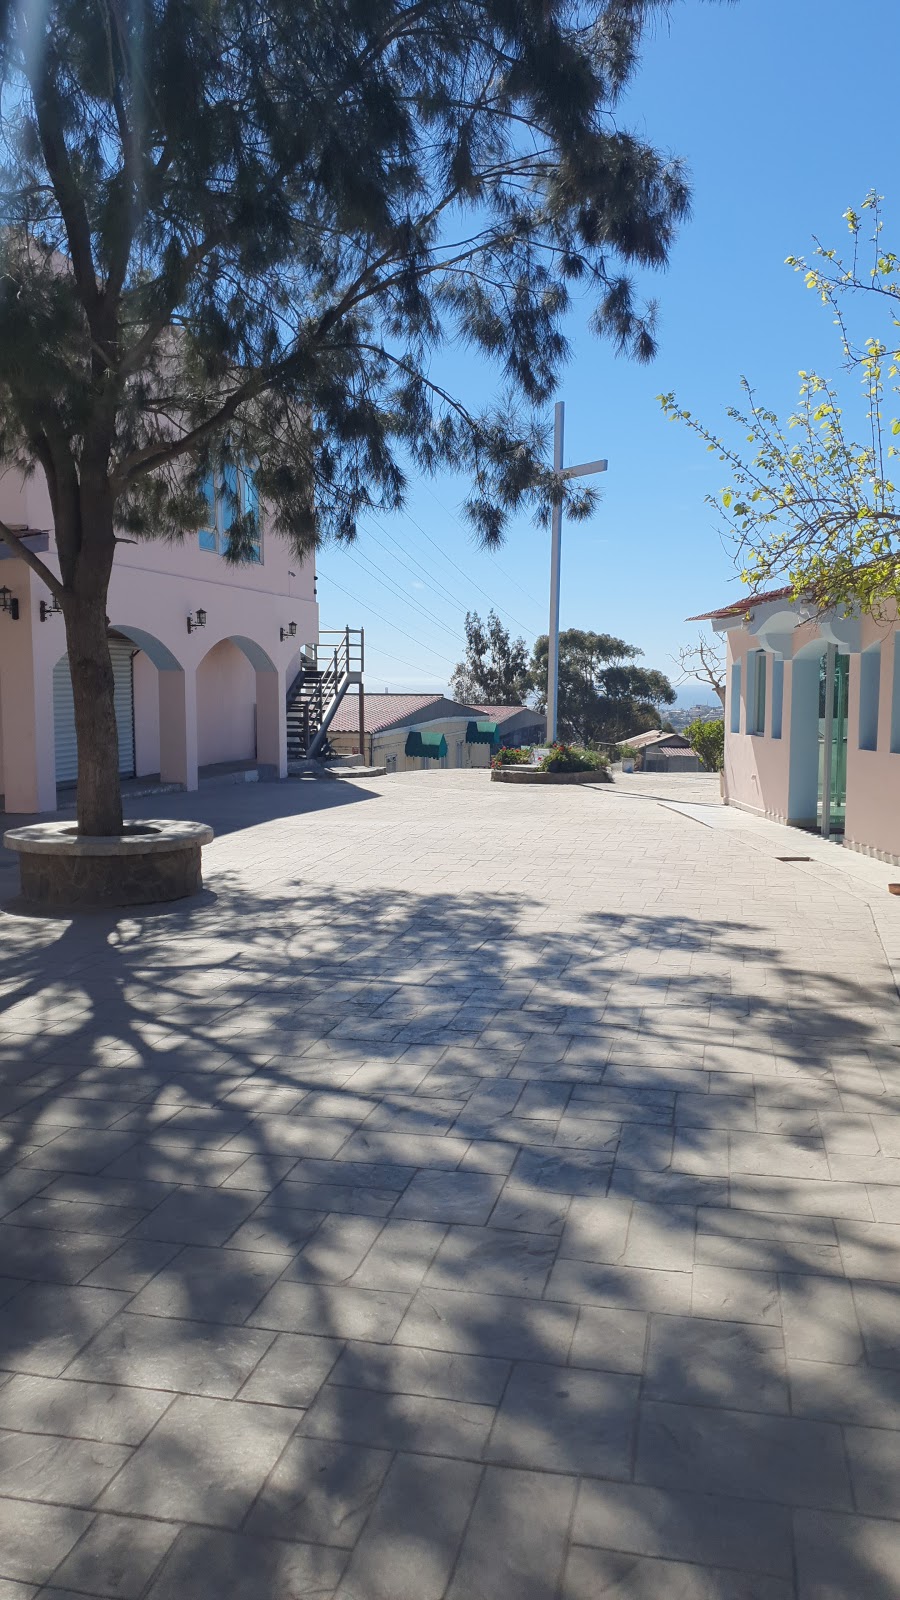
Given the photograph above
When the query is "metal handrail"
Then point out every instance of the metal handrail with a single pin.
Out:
(322, 672)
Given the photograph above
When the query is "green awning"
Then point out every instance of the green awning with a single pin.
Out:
(481, 733)
(432, 746)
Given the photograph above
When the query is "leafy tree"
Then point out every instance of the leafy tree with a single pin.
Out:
(602, 696)
(495, 670)
(815, 508)
(237, 231)
(708, 739)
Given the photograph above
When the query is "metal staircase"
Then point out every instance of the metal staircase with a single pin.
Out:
(327, 671)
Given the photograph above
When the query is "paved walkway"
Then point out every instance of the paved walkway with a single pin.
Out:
(478, 1194)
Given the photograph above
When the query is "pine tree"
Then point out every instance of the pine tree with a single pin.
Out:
(238, 231)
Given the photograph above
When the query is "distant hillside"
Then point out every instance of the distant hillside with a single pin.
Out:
(680, 719)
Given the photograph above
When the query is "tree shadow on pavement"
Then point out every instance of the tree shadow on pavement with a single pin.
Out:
(382, 1246)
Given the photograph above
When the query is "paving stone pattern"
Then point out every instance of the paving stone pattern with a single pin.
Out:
(476, 1194)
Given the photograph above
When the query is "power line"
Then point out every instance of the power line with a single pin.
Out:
(382, 618)
(517, 620)
(541, 604)
(392, 588)
(412, 564)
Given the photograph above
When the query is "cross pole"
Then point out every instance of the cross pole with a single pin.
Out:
(562, 473)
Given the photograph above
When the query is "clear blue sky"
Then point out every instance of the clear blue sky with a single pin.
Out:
(777, 109)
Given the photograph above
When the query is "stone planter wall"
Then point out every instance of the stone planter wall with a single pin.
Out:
(531, 775)
(150, 862)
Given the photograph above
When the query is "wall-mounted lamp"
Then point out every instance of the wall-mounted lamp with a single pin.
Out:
(9, 603)
(290, 632)
(198, 620)
(50, 608)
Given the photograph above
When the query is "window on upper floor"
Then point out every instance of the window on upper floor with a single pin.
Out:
(895, 698)
(777, 695)
(234, 491)
(756, 710)
(735, 697)
(869, 696)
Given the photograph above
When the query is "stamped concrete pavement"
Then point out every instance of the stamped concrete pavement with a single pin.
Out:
(476, 1194)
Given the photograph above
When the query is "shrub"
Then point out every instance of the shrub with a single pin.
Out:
(511, 756)
(569, 758)
(708, 740)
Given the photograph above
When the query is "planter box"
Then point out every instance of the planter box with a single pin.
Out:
(150, 862)
(531, 775)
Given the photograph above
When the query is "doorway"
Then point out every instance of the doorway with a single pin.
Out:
(834, 701)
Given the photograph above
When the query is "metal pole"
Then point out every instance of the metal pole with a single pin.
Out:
(556, 538)
(828, 740)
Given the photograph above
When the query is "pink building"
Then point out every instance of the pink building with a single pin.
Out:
(812, 718)
(187, 696)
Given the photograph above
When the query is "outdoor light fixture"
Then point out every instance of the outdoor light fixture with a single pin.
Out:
(197, 621)
(50, 608)
(290, 632)
(9, 603)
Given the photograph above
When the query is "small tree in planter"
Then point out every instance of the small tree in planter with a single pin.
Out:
(235, 232)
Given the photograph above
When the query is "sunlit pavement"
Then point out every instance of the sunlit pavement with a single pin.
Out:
(479, 1193)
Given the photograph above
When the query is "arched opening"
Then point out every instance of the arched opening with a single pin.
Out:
(226, 705)
(271, 708)
(157, 675)
(122, 653)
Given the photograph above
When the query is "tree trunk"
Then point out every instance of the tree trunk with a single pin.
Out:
(99, 789)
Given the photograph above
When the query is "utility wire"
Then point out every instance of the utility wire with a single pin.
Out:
(397, 592)
(541, 604)
(382, 618)
(416, 564)
(517, 620)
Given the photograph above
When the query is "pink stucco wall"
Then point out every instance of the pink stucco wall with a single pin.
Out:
(758, 768)
(214, 694)
(873, 795)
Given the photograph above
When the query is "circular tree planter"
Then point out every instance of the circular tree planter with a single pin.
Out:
(531, 775)
(148, 862)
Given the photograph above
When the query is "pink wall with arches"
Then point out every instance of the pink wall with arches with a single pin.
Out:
(199, 697)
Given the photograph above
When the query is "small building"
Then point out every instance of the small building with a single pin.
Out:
(412, 732)
(663, 751)
(517, 726)
(812, 717)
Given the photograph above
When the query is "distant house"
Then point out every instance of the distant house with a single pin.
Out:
(408, 732)
(516, 725)
(662, 751)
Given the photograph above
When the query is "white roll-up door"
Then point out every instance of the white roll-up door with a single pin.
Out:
(121, 653)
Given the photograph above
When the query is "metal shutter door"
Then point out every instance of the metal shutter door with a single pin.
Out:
(64, 723)
(121, 653)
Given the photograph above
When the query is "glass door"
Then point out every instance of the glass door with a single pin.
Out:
(834, 698)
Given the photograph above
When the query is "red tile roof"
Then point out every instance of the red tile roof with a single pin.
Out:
(381, 710)
(503, 713)
(736, 608)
